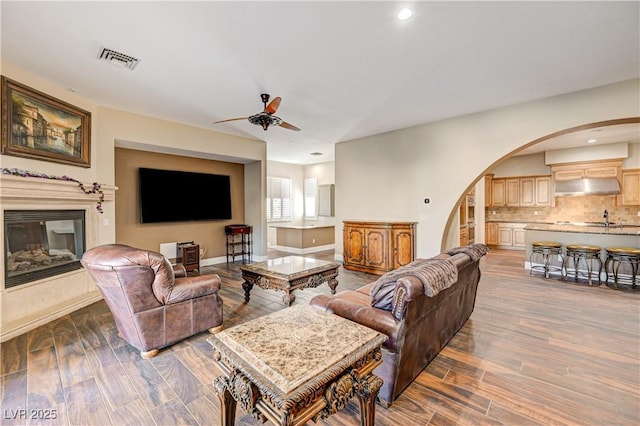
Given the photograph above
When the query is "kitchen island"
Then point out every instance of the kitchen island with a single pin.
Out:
(572, 233)
(303, 239)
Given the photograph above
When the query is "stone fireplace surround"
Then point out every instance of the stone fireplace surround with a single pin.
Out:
(36, 303)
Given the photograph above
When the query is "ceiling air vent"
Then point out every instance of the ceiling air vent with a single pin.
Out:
(117, 58)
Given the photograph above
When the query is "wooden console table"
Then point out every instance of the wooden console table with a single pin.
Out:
(296, 365)
(378, 247)
(238, 242)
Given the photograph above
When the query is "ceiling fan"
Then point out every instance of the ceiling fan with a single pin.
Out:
(266, 117)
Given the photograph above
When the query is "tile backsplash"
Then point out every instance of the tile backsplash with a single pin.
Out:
(574, 209)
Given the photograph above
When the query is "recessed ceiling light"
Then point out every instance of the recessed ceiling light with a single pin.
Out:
(592, 141)
(404, 14)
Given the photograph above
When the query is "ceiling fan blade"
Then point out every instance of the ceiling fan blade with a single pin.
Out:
(273, 105)
(289, 126)
(231, 119)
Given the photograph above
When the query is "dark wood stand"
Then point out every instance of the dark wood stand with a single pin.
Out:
(189, 255)
(238, 242)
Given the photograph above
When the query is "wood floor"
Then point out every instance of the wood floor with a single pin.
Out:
(535, 352)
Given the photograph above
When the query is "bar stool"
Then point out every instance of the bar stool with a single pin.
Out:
(546, 249)
(588, 254)
(616, 256)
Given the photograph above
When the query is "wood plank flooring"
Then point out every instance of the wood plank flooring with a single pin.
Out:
(535, 352)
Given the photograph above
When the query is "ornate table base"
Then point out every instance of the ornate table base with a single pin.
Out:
(296, 365)
(288, 274)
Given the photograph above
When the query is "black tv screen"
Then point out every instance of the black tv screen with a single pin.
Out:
(177, 196)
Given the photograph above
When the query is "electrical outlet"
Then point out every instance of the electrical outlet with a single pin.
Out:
(313, 241)
(638, 214)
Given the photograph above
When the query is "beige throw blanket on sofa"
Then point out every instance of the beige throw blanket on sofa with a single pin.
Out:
(434, 274)
(474, 251)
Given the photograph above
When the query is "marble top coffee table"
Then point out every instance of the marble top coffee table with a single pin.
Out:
(296, 365)
(289, 273)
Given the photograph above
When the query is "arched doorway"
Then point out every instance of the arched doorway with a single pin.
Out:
(606, 132)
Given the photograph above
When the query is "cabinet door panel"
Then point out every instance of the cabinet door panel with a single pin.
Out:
(512, 192)
(631, 188)
(498, 192)
(601, 172)
(403, 247)
(505, 236)
(492, 233)
(376, 248)
(543, 191)
(569, 174)
(519, 238)
(354, 246)
(527, 192)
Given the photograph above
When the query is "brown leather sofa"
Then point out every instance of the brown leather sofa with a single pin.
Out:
(418, 326)
(153, 303)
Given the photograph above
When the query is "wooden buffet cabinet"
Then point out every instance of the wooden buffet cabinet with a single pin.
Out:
(378, 247)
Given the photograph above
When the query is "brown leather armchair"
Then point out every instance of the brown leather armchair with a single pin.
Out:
(153, 303)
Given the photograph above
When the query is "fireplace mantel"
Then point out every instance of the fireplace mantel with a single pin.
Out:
(22, 188)
(36, 303)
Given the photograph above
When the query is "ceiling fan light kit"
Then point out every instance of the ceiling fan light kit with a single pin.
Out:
(266, 118)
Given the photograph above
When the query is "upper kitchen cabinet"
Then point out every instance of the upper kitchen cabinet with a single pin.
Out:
(535, 191)
(525, 191)
(512, 192)
(597, 169)
(630, 187)
(498, 193)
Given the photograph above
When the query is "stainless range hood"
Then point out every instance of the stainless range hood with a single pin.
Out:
(587, 186)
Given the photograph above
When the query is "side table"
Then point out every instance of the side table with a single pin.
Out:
(238, 242)
(189, 255)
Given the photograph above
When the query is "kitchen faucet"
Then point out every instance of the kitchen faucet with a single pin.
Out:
(606, 218)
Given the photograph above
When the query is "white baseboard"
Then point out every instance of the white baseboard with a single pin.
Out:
(9, 331)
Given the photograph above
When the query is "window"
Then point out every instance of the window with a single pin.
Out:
(311, 198)
(279, 199)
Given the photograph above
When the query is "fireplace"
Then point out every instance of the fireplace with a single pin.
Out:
(42, 243)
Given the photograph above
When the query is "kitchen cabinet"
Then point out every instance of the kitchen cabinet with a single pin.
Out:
(535, 191)
(498, 193)
(543, 191)
(378, 247)
(491, 234)
(506, 235)
(512, 192)
(525, 191)
(598, 169)
(487, 190)
(630, 187)
(464, 236)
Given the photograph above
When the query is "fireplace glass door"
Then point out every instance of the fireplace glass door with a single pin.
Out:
(42, 243)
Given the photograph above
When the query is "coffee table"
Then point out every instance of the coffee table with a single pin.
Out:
(289, 273)
(295, 365)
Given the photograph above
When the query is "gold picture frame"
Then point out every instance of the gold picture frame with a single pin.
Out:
(36, 125)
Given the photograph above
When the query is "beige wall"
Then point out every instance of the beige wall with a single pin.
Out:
(208, 234)
(126, 130)
(40, 303)
(388, 176)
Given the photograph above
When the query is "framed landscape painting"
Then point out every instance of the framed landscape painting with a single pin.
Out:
(35, 125)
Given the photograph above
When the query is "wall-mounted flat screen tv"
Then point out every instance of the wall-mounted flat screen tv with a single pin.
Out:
(178, 196)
